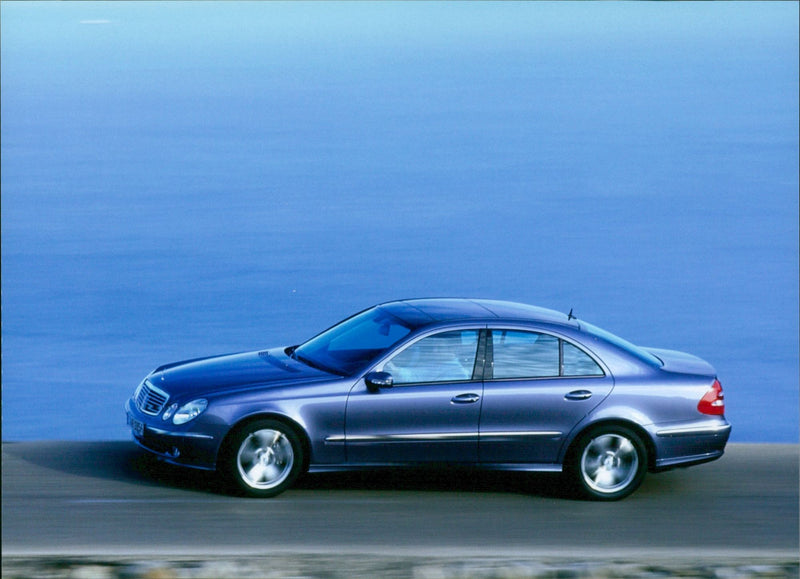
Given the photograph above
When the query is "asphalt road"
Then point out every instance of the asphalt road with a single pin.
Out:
(108, 497)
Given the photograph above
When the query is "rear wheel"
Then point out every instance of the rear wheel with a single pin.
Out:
(607, 463)
(263, 458)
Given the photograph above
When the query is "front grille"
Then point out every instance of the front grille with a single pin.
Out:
(150, 399)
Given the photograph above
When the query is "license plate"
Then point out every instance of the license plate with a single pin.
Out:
(137, 427)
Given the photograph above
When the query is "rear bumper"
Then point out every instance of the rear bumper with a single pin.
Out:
(688, 444)
(183, 448)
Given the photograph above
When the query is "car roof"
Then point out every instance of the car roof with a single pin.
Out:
(424, 311)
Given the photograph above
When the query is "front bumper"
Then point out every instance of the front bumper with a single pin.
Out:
(193, 449)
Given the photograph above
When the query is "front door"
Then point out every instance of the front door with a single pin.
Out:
(431, 412)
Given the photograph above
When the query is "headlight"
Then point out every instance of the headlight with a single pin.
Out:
(169, 412)
(189, 411)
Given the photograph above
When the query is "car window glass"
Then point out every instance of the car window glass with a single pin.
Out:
(445, 357)
(524, 354)
(576, 362)
(355, 342)
(625, 345)
(371, 334)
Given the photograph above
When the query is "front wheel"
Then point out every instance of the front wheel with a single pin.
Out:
(607, 463)
(263, 458)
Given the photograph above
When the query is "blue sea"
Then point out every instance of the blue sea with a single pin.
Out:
(191, 178)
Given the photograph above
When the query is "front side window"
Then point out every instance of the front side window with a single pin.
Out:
(444, 357)
(519, 354)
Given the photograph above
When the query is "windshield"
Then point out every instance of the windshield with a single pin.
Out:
(636, 351)
(352, 344)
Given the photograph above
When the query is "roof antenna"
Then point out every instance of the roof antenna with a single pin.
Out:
(570, 316)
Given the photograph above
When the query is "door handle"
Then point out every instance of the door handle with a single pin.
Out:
(578, 395)
(465, 398)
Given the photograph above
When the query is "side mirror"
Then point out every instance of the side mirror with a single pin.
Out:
(377, 380)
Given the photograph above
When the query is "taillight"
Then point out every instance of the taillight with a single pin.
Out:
(713, 401)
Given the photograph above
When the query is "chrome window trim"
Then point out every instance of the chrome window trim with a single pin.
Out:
(534, 378)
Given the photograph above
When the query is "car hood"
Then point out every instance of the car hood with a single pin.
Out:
(683, 363)
(204, 376)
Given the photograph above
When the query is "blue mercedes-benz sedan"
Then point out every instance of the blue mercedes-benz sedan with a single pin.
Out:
(489, 384)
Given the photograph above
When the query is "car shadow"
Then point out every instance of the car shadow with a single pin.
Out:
(443, 478)
(120, 461)
(124, 461)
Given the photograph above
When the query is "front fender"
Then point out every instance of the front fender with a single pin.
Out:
(317, 412)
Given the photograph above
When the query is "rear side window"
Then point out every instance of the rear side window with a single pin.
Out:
(576, 362)
(524, 355)
(518, 354)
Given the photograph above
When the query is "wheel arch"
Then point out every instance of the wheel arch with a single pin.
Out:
(640, 431)
(301, 433)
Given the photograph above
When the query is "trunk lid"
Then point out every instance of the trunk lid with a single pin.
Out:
(683, 363)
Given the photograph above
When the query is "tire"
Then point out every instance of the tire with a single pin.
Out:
(607, 463)
(262, 459)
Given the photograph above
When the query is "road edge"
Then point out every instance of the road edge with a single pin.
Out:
(316, 566)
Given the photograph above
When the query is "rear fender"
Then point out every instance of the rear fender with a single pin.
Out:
(615, 416)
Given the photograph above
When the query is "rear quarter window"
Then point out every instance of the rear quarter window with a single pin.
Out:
(576, 362)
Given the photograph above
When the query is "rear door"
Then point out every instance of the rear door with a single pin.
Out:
(537, 387)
